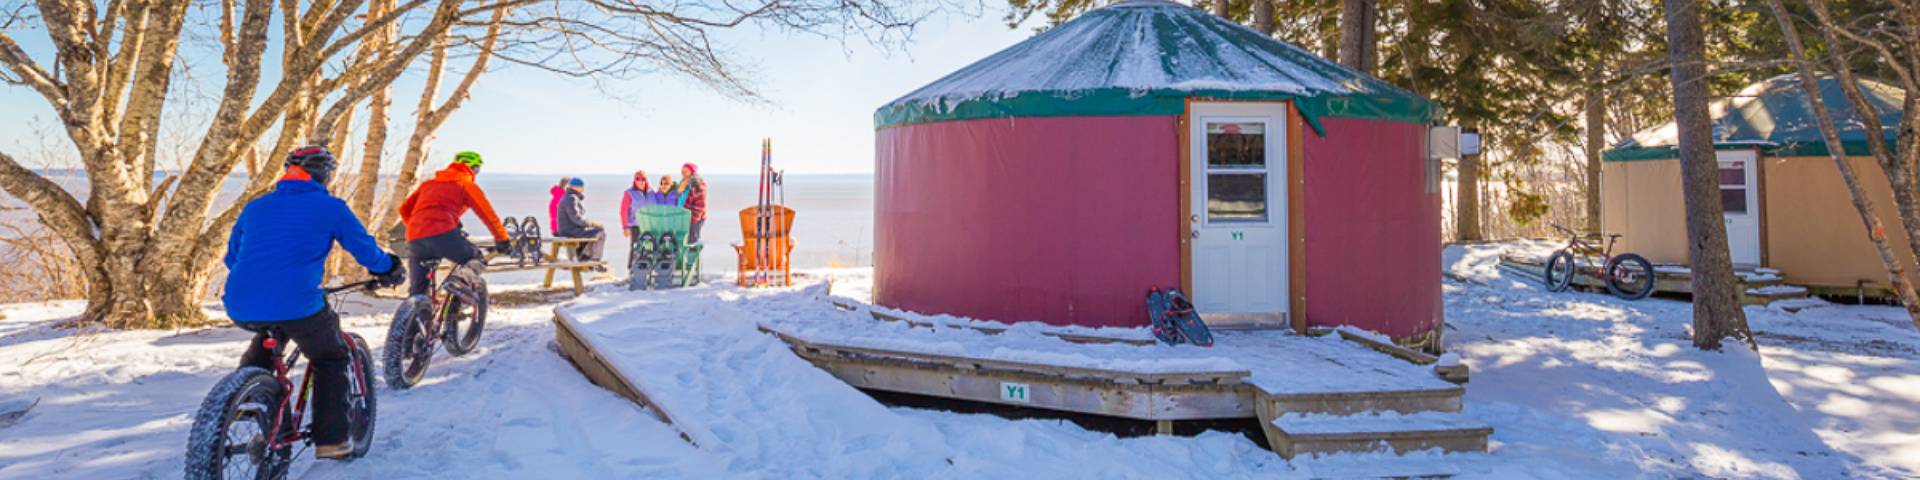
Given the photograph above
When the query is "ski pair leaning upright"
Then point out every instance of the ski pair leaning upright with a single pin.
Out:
(1174, 320)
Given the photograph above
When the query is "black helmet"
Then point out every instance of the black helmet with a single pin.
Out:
(315, 160)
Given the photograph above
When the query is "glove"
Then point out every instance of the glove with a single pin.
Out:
(501, 248)
(393, 276)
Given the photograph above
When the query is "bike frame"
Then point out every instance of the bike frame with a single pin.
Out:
(281, 367)
(438, 296)
(1578, 248)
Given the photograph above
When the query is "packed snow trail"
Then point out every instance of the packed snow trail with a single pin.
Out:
(117, 404)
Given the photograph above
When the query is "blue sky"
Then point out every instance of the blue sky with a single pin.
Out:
(822, 95)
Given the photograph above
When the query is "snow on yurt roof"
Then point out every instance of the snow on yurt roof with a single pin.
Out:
(1146, 57)
(1774, 115)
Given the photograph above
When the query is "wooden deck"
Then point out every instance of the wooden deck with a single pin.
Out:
(1340, 418)
(1759, 286)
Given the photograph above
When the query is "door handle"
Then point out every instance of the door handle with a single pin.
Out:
(1195, 218)
(1196, 234)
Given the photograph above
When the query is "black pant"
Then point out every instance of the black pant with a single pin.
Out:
(693, 233)
(590, 251)
(424, 255)
(319, 338)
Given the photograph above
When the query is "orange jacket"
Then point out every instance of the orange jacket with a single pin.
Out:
(436, 205)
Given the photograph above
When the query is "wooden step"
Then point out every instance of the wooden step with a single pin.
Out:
(1295, 434)
(1346, 403)
(1771, 293)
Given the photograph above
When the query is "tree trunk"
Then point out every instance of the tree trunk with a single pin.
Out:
(1716, 292)
(1263, 16)
(1862, 204)
(1466, 202)
(1596, 140)
(1901, 169)
(428, 119)
(1358, 48)
(375, 146)
(1223, 9)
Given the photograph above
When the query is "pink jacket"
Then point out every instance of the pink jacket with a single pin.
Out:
(553, 209)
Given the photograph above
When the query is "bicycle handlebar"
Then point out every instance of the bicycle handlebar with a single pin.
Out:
(1566, 230)
(368, 284)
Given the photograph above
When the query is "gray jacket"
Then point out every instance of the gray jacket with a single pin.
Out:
(573, 216)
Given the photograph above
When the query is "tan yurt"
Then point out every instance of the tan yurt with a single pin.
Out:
(1786, 206)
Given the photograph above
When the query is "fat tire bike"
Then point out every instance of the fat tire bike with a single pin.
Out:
(1627, 275)
(248, 426)
(453, 313)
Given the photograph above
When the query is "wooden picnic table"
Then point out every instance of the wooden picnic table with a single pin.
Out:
(551, 262)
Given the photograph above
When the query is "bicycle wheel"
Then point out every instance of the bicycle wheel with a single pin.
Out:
(464, 321)
(231, 436)
(409, 348)
(1560, 271)
(1630, 276)
(361, 403)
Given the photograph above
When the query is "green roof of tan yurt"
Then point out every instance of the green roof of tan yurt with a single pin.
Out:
(1146, 57)
(1774, 115)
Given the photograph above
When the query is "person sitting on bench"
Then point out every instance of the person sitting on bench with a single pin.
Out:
(574, 224)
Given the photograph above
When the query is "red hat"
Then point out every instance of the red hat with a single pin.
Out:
(691, 168)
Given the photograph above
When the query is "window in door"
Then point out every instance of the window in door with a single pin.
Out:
(1236, 172)
(1733, 187)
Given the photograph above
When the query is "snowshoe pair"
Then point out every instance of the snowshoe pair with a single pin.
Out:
(1174, 319)
(664, 259)
(640, 262)
(525, 248)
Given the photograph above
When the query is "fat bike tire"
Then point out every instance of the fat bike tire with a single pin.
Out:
(1559, 271)
(408, 352)
(464, 322)
(362, 404)
(1630, 276)
(242, 403)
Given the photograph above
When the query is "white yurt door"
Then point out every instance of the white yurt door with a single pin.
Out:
(1740, 197)
(1239, 211)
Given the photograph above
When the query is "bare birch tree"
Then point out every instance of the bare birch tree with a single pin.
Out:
(147, 249)
(1809, 74)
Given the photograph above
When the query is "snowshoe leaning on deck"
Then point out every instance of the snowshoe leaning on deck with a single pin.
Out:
(1181, 313)
(1163, 327)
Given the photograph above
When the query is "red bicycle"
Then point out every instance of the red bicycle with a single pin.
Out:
(1628, 275)
(248, 425)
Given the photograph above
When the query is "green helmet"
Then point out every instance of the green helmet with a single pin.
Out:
(468, 158)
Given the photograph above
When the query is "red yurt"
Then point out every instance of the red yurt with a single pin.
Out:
(1150, 144)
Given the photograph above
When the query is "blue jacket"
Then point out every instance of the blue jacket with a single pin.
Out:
(277, 253)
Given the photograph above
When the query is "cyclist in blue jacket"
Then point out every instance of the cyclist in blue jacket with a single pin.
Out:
(276, 260)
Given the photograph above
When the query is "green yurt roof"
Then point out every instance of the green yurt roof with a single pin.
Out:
(1146, 57)
(1773, 115)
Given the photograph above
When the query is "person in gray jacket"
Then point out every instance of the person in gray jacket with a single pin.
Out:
(573, 223)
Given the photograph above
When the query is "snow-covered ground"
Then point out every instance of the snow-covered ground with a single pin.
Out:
(1575, 385)
(1833, 393)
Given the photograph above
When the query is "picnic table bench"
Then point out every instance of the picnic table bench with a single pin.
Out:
(552, 262)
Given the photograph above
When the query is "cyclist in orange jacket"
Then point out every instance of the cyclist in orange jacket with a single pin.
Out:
(432, 215)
